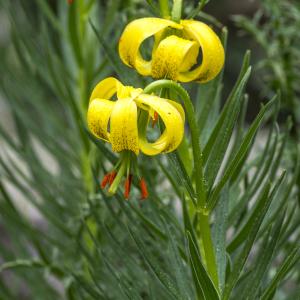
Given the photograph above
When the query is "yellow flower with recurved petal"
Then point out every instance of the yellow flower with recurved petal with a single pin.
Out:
(123, 123)
(176, 49)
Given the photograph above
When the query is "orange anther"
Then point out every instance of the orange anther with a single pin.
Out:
(155, 119)
(112, 177)
(127, 186)
(105, 180)
(144, 190)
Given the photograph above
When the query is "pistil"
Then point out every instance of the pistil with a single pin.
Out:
(116, 178)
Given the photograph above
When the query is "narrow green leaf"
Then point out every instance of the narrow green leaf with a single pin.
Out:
(177, 263)
(163, 278)
(283, 200)
(218, 147)
(241, 153)
(182, 175)
(130, 260)
(278, 157)
(30, 196)
(29, 263)
(110, 15)
(170, 177)
(185, 155)
(21, 263)
(263, 166)
(240, 126)
(209, 18)
(244, 231)
(201, 277)
(196, 10)
(219, 235)
(73, 26)
(208, 147)
(149, 224)
(153, 6)
(188, 227)
(127, 290)
(187, 221)
(208, 110)
(289, 262)
(261, 209)
(47, 11)
(115, 62)
(263, 260)
(87, 286)
(97, 284)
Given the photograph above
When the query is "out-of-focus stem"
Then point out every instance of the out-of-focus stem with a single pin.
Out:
(177, 10)
(83, 97)
(164, 8)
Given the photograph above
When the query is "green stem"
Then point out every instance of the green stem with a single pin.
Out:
(83, 95)
(120, 173)
(164, 8)
(203, 217)
(208, 247)
(177, 10)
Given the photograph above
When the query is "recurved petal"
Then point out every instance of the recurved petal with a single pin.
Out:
(212, 51)
(173, 118)
(134, 35)
(98, 115)
(179, 107)
(106, 88)
(172, 56)
(123, 126)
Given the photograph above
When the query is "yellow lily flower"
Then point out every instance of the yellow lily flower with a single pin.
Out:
(173, 55)
(123, 123)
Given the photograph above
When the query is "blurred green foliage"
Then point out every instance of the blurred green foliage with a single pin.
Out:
(275, 28)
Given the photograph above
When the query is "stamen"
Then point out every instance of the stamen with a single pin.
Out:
(144, 190)
(105, 180)
(127, 186)
(70, 1)
(112, 177)
(155, 119)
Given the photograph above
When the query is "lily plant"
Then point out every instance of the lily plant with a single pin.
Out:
(123, 122)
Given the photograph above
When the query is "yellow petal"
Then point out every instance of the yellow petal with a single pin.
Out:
(98, 115)
(123, 126)
(172, 56)
(105, 89)
(212, 51)
(179, 107)
(174, 125)
(134, 35)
